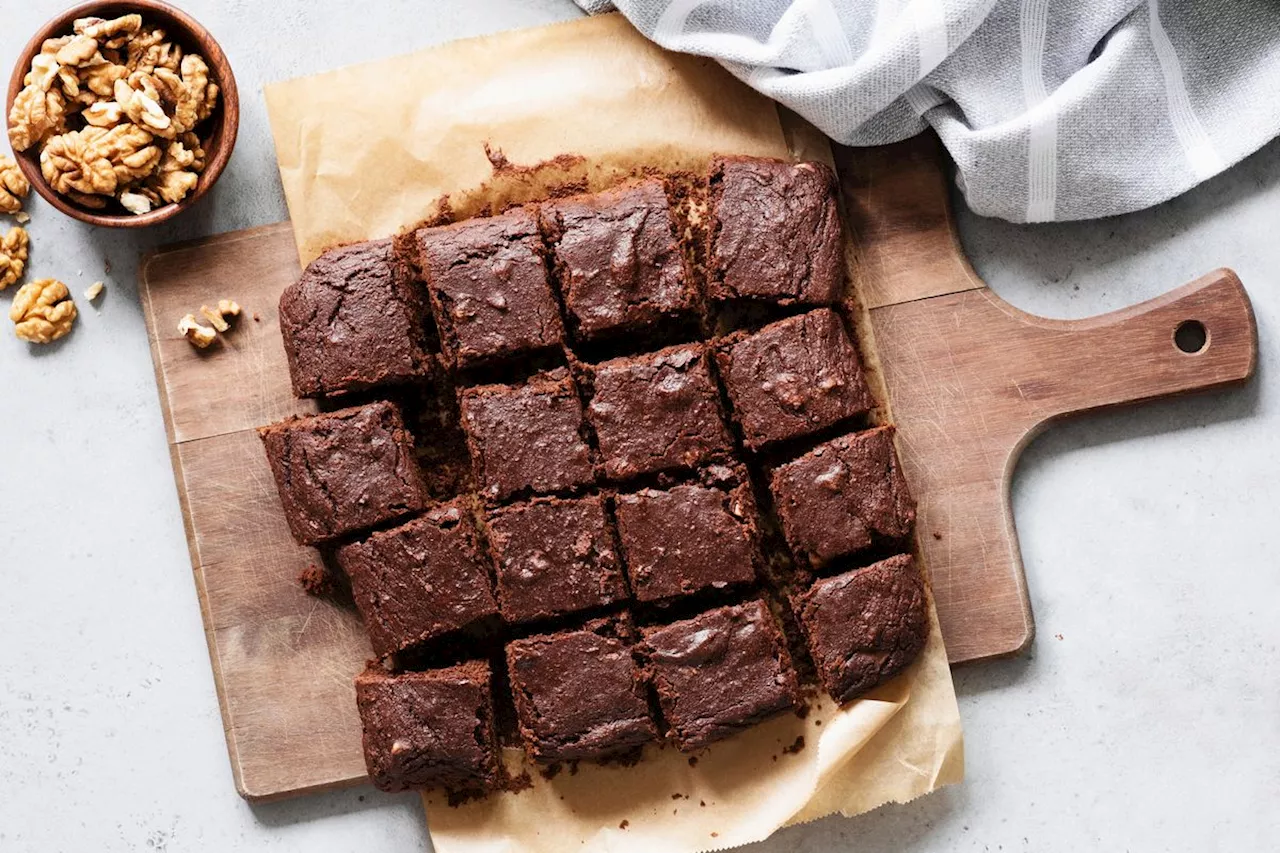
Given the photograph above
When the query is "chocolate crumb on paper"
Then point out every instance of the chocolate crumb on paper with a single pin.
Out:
(795, 747)
(316, 581)
(624, 824)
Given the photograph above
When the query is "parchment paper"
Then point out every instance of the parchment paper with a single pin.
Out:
(370, 150)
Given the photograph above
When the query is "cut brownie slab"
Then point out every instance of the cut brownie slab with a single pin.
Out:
(793, 378)
(865, 626)
(489, 288)
(836, 498)
(719, 673)
(527, 438)
(578, 694)
(420, 581)
(619, 263)
(657, 412)
(345, 471)
(429, 729)
(687, 539)
(775, 232)
(554, 556)
(354, 322)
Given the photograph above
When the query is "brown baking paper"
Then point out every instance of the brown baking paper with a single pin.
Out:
(370, 150)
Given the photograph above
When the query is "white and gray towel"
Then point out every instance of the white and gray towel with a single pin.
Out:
(1052, 109)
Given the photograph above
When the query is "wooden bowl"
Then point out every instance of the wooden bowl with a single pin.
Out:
(220, 129)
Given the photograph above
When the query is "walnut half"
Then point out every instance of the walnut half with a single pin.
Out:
(13, 185)
(13, 256)
(42, 311)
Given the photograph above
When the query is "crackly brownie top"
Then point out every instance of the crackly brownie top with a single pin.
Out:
(617, 257)
(527, 437)
(720, 672)
(865, 626)
(656, 412)
(834, 499)
(489, 286)
(775, 232)
(794, 377)
(344, 471)
(421, 580)
(687, 539)
(554, 556)
(429, 729)
(578, 695)
(353, 322)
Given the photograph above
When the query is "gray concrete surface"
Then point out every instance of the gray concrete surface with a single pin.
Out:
(1145, 717)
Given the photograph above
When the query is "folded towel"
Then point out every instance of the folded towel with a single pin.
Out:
(1051, 109)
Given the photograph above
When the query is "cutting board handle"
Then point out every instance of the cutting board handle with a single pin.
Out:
(1200, 336)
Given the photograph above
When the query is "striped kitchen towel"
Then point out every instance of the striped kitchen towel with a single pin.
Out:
(1052, 109)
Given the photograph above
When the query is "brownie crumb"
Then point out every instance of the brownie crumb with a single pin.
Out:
(795, 747)
(316, 581)
(679, 796)
(551, 771)
(802, 711)
(817, 723)
(937, 536)
(518, 783)
(624, 824)
(702, 803)
(461, 798)
(256, 317)
(693, 761)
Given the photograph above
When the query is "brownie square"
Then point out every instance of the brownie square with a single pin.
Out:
(429, 729)
(618, 261)
(865, 626)
(836, 498)
(527, 438)
(345, 471)
(657, 412)
(775, 232)
(353, 322)
(793, 378)
(720, 672)
(489, 288)
(687, 539)
(420, 581)
(554, 556)
(578, 694)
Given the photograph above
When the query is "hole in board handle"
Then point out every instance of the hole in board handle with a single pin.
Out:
(1191, 337)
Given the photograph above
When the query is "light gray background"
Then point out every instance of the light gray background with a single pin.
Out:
(1145, 717)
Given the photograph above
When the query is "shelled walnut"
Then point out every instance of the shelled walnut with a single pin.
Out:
(115, 109)
(13, 185)
(13, 256)
(42, 311)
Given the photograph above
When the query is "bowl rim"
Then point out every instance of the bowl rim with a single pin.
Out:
(195, 32)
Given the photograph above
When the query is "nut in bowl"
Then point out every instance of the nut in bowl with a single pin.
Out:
(122, 114)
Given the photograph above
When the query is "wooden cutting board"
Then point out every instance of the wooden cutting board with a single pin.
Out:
(971, 380)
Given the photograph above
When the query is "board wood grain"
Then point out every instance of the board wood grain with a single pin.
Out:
(970, 380)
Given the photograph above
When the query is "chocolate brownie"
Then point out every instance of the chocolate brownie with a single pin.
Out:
(838, 497)
(578, 694)
(429, 729)
(775, 232)
(656, 412)
(345, 471)
(489, 288)
(420, 581)
(865, 626)
(554, 556)
(353, 322)
(527, 438)
(687, 539)
(618, 261)
(720, 672)
(793, 378)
